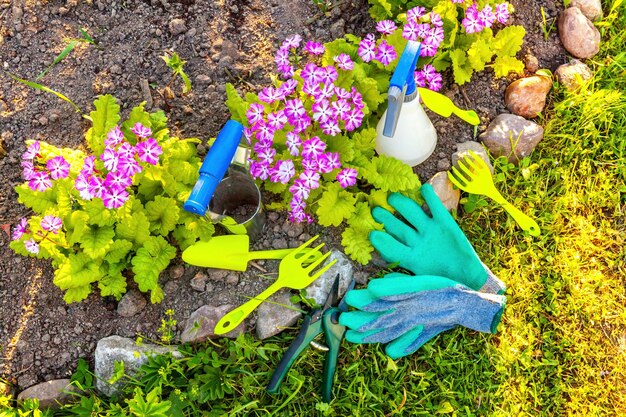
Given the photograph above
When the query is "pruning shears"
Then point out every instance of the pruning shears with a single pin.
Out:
(321, 320)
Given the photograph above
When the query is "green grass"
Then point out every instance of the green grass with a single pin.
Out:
(561, 345)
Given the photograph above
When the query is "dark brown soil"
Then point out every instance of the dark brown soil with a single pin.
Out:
(41, 337)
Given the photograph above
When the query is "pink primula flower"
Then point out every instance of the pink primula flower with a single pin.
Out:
(367, 48)
(344, 62)
(293, 143)
(96, 186)
(353, 119)
(32, 151)
(141, 131)
(255, 113)
(299, 190)
(347, 177)
(89, 164)
(82, 185)
(386, 27)
(314, 48)
(313, 148)
(487, 16)
(322, 111)
(149, 151)
(282, 172)
(310, 178)
(110, 159)
(117, 179)
(114, 137)
(40, 181)
(58, 167)
(502, 12)
(292, 42)
(32, 246)
(386, 53)
(28, 171)
(20, 229)
(51, 223)
(269, 95)
(415, 13)
(260, 170)
(114, 198)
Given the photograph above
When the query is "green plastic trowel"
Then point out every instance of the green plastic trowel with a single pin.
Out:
(228, 252)
(443, 106)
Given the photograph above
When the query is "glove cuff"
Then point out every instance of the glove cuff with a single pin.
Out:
(493, 284)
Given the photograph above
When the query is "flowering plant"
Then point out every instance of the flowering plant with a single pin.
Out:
(455, 33)
(313, 142)
(103, 214)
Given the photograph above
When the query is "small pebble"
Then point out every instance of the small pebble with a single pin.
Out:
(232, 279)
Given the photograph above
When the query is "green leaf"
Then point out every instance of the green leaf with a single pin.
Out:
(505, 64)
(509, 41)
(380, 10)
(104, 118)
(118, 250)
(65, 52)
(185, 172)
(98, 214)
(134, 227)
(44, 89)
(137, 115)
(336, 47)
(342, 145)
(77, 294)
(378, 198)
(389, 174)
(368, 87)
(77, 271)
(236, 104)
(112, 284)
(38, 201)
(194, 228)
(151, 259)
(335, 205)
(365, 142)
(97, 241)
(163, 214)
(461, 67)
(479, 54)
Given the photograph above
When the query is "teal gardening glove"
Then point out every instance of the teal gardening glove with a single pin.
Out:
(408, 311)
(430, 245)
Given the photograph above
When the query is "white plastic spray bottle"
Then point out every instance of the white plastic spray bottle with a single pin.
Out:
(405, 132)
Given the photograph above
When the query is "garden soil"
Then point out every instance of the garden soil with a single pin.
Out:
(41, 337)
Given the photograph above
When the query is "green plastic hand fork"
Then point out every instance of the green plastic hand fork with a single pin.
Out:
(473, 176)
(291, 274)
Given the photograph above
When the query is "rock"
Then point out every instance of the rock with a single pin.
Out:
(321, 287)
(592, 9)
(445, 190)
(203, 79)
(573, 74)
(464, 148)
(273, 317)
(443, 164)
(131, 303)
(200, 325)
(526, 97)
(531, 62)
(177, 26)
(198, 282)
(232, 279)
(280, 243)
(121, 349)
(218, 274)
(337, 29)
(578, 35)
(507, 130)
(176, 272)
(51, 394)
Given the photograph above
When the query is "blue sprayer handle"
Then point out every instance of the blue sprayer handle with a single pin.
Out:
(214, 167)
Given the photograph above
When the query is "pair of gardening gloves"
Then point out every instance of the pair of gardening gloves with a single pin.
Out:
(451, 285)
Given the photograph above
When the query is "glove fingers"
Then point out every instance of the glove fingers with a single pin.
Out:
(395, 227)
(355, 336)
(359, 298)
(397, 348)
(437, 209)
(397, 284)
(356, 319)
(410, 210)
(389, 248)
(406, 345)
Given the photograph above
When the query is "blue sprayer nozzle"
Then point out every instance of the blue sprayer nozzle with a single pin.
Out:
(214, 167)
(402, 84)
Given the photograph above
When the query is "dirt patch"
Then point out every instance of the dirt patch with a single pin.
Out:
(41, 337)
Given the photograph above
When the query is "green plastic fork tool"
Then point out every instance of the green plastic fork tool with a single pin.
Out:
(473, 176)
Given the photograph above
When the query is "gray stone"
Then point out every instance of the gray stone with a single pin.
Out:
(232, 278)
(176, 272)
(512, 136)
(198, 282)
(273, 317)
(578, 35)
(51, 394)
(280, 243)
(121, 349)
(445, 190)
(200, 325)
(463, 149)
(321, 287)
(131, 303)
(218, 274)
(177, 26)
(526, 97)
(573, 74)
(592, 9)
(203, 79)
(337, 29)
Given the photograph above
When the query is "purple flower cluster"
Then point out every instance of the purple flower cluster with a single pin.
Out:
(40, 176)
(119, 159)
(426, 28)
(428, 77)
(299, 109)
(371, 50)
(475, 20)
(50, 223)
